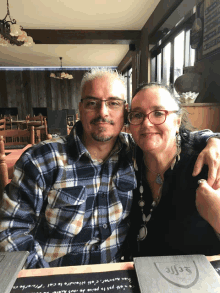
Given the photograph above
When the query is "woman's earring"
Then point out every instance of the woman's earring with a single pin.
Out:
(178, 145)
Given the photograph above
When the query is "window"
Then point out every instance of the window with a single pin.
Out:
(172, 54)
(166, 64)
(190, 53)
(178, 55)
(128, 80)
(159, 67)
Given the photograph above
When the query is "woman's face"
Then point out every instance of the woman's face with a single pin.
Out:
(150, 137)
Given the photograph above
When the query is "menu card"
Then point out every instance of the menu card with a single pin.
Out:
(188, 273)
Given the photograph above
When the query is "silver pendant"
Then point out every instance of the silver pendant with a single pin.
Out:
(142, 233)
(141, 189)
(159, 180)
(141, 203)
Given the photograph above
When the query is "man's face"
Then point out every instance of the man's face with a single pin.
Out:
(102, 124)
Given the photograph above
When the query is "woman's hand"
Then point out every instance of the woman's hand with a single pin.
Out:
(210, 156)
(208, 204)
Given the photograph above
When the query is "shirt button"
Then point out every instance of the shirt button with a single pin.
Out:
(105, 226)
(102, 195)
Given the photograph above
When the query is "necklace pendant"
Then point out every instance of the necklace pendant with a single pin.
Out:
(141, 189)
(159, 180)
(142, 233)
(141, 203)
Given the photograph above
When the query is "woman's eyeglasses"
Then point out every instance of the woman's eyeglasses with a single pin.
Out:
(94, 104)
(156, 117)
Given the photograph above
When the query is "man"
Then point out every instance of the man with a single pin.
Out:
(70, 198)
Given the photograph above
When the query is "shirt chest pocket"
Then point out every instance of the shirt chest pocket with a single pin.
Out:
(65, 210)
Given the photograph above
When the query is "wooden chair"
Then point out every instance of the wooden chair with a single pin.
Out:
(2, 124)
(16, 137)
(41, 132)
(35, 118)
(3, 168)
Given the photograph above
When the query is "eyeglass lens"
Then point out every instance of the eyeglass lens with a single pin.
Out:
(155, 117)
(93, 104)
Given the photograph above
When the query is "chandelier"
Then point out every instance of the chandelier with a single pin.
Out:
(60, 74)
(12, 34)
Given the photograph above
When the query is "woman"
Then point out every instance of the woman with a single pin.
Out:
(171, 215)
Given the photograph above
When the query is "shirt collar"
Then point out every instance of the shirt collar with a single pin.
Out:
(76, 148)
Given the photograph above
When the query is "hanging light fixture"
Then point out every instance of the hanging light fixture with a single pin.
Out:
(60, 74)
(12, 33)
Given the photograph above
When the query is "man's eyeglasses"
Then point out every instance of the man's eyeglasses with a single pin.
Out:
(156, 117)
(94, 104)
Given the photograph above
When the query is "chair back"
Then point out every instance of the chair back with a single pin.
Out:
(35, 118)
(2, 124)
(41, 132)
(13, 137)
(3, 168)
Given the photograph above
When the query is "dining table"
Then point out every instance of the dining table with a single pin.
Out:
(112, 277)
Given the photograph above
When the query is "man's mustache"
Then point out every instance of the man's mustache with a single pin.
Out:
(100, 119)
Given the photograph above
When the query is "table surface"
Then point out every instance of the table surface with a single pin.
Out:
(76, 269)
(86, 269)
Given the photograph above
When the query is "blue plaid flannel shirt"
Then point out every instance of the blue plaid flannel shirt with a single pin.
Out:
(65, 208)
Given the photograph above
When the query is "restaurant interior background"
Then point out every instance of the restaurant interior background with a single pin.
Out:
(174, 42)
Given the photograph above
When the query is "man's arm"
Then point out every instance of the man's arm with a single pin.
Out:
(208, 204)
(19, 212)
(210, 156)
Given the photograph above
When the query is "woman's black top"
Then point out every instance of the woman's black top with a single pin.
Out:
(175, 227)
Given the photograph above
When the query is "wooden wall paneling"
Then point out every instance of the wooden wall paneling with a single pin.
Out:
(59, 98)
(56, 95)
(70, 84)
(24, 96)
(64, 93)
(48, 89)
(3, 90)
(11, 90)
(34, 91)
(204, 115)
(27, 92)
(53, 94)
(42, 101)
(20, 97)
(73, 92)
(77, 96)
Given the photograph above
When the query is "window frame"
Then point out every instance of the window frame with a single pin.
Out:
(184, 25)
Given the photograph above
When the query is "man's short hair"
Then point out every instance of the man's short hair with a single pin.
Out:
(101, 72)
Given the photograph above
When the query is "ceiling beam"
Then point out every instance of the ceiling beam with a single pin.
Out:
(125, 62)
(47, 36)
(161, 13)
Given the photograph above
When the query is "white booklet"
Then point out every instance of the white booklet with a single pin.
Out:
(10, 265)
(179, 273)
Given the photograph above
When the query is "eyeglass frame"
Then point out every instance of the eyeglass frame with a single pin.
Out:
(147, 115)
(100, 101)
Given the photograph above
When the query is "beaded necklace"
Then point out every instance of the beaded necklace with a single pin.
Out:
(143, 230)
